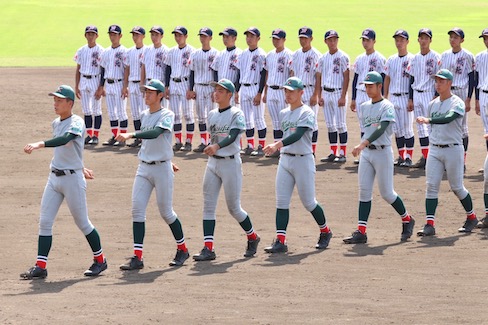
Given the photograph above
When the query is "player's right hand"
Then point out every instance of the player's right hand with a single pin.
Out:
(477, 107)
(410, 105)
(78, 93)
(123, 137)
(353, 105)
(33, 146)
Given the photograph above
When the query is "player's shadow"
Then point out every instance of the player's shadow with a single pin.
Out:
(211, 267)
(483, 234)
(137, 276)
(265, 161)
(410, 172)
(191, 155)
(434, 241)
(41, 286)
(287, 258)
(328, 166)
(361, 250)
(352, 169)
(474, 178)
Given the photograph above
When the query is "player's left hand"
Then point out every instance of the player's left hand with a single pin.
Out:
(467, 103)
(410, 105)
(175, 167)
(477, 107)
(88, 173)
(123, 137)
(211, 149)
(423, 120)
(257, 99)
(125, 93)
(357, 149)
(272, 148)
(33, 146)
(341, 102)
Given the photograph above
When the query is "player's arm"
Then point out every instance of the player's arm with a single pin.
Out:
(410, 106)
(375, 135)
(471, 86)
(317, 92)
(125, 86)
(211, 149)
(477, 93)
(383, 75)
(55, 142)
(166, 79)
(149, 134)
(77, 81)
(354, 92)
(386, 86)
(99, 91)
(345, 85)
(265, 88)
(262, 83)
(448, 118)
(190, 93)
(216, 75)
(292, 138)
(143, 75)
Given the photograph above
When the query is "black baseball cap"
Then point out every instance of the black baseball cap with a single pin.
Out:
(205, 31)
(253, 30)
(425, 31)
(305, 32)
(157, 29)
(278, 33)
(115, 29)
(138, 30)
(331, 33)
(228, 31)
(368, 34)
(180, 30)
(458, 31)
(401, 33)
(91, 29)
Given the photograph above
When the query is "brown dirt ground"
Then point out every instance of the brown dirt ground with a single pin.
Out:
(439, 280)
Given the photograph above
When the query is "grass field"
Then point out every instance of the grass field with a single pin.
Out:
(47, 33)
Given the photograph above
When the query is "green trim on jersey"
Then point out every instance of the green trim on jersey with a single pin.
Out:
(448, 118)
(379, 131)
(60, 141)
(233, 133)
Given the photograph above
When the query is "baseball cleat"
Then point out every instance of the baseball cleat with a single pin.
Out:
(247, 152)
(33, 273)
(324, 240)
(180, 258)
(407, 163)
(275, 154)
(205, 255)
(481, 170)
(93, 141)
(277, 247)
(177, 146)
(483, 223)
(357, 237)
(399, 161)
(134, 264)
(87, 139)
(96, 268)
(252, 247)
(356, 161)
(119, 144)
(469, 225)
(110, 142)
(428, 230)
(200, 148)
(186, 147)
(340, 159)
(407, 229)
(420, 163)
(135, 144)
(258, 152)
(329, 158)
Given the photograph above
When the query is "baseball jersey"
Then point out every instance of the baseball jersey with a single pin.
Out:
(366, 63)
(481, 64)
(220, 124)
(250, 63)
(278, 66)
(159, 149)
(225, 64)
(69, 156)
(303, 65)
(290, 120)
(422, 68)
(452, 132)
(179, 61)
(153, 60)
(201, 62)
(332, 68)
(397, 69)
(89, 59)
(113, 62)
(133, 60)
(372, 115)
(460, 64)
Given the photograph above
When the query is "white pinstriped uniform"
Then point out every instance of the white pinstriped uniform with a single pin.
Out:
(366, 63)
(277, 64)
(303, 65)
(332, 68)
(201, 62)
(481, 61)
(460, 64)
(89, 61)
(422, 68)
(250, 65)
(133, 60)
(153, 59)
(179, 61)
(396, 68)
(225, 65)
(113, 62)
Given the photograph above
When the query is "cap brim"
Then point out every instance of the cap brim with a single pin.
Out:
(440, 76)
(137, 33)
(151, 88)
(366, 37)
(276, 36)
(203, 34)
(332, 36)
(368, 83)
(57, 95)
(303, 35)
(248, 31)
(482, 35)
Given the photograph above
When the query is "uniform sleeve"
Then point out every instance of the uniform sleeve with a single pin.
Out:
(76, 127)
(103, 59)
(387, 67)
(381, 64)
(215, 64)
(410, 67)
(167, 58)
(345, 63)
(388, 113)
(307, 119)
(166, 121)
(238, 121)
(76, 58)
(191, 60)
(126, 58)
(320, 65)
(458, 107)
(471, 63)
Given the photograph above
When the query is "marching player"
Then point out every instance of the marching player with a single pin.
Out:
(481, 78)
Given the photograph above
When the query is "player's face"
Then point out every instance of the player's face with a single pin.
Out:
(91, 37)
(137, 38)
(205, 40)
(229, 40)
(222, 96)
(442, 86)
(62, 106)
(156, 37)
(115, 38)
(373, 90)
(368, 44)
(252, 40)
(152, 97)
(180, 39)
(485, 40)
(332, 43)
(424, 41)
(279, 43)
(401, 43)
(305, 42)
(455, 40)
(293, 97)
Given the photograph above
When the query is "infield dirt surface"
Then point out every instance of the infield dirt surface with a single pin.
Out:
(439, 280)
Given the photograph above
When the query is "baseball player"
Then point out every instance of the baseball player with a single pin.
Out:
(296, 166)
(369, 61)
(462, 66)
(178, 78)
(66, 181)
(422, 67)
(87, 79)
(112, 77)
(396, 88)
(481, 78)
(377, 116)
(277, 66)
(132, 79)
(331, 87)
(201, 74)
(224, 167)
(155, 171)
(445, 114)
(483, 223)
(303, 64)
(252, 80)
(226, 60)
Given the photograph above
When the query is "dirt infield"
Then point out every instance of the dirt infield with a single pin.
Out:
(440, 280)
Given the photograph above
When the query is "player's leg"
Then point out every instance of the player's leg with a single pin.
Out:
(203, 105)
(307, 94)
(189, 115)
(398, 130)
(484, 222)
(330, 121)
(175, 104)
(421, 102)
(136, 107)
(248, 109)
(408, 132)
(122, 114)
(341, 129)
(112, 100)
(260, 123)
(86, 107)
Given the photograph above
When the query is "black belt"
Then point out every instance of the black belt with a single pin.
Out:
(221, 157)
(180, 79)
(203, 84)
(60, 172)
(373, 147)
(274, 87)
(152, 162)
(419, 91)
(111, 81)
(136, 81)
(331, 90)
(445, 145)
(485, 91)
(305, 86)
(88, 76)
(293, 154)
(249, 85)
(399, 94)
(457, 88)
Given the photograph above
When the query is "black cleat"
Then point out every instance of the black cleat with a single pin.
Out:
(483, 223)
(247, 152)
(135, 144)
(427, 231)
(87, 139)
(341, 159)
(96, 268)
(134, 264)
(399, 161)
(407, 163)
(356, 161)
(93, 141)
(324, 240)
(119, 144)
(420, 163)
(277, 247)
(407, 229)
(469, 225)
(258, 152)
(200, 148)
(357, 237)
(177, 146)
(110, 142)
(33, 273)
(186, 147)
(329, 158)
(252, 247)
(180, 258)
(205, 255)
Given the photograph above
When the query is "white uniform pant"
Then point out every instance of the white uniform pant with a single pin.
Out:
(116, 105)
(335, 116)
(275, 100)
(463, 94)
(148, 177)
(88, 88)
(361, 97)
(421, 102)
(403, 126)
(485, 174)
(299, 171)
(484, 109)
(71, 187)
(137, 104)
(254, 115)
(307, 94)
(203, 102)
(178, 102)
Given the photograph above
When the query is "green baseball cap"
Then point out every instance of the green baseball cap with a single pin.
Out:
(64, 91)
(373, 77)
(155, 84)
(293, 83)
(443, 74)
(224, 83)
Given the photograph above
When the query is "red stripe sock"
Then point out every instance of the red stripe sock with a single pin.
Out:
(406, 218)
(100, 258)
(114, 132)
(41, 264)
(362, 229)
(314, 147)
(326, 229)
(430, 222)
(182, 247)
(250, 143)
(343, 149)
(425, 152)
(189, 137)
(90, 133)
(178, 137)
(96, 133)
(471, 216)
(252, 236)
(209, 245)
(262, 142)
(281, 238)
(333, 149)
(410, 153)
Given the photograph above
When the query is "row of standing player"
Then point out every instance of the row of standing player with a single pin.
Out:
(326, 79)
